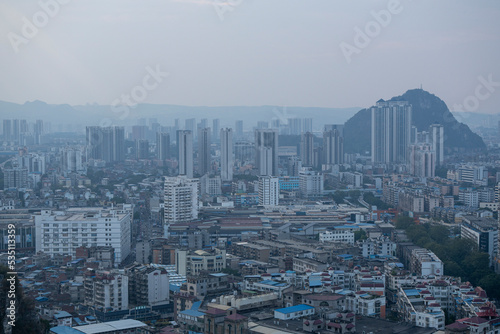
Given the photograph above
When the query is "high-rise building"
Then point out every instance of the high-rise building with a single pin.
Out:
(244, 151)
(142, 149)
(190, 124)
(262, 125)
(422, 160)
(307, 149)
(295, 125)
(181, 200)
(391, 130)
(106, 143)
(204, 157)
(239, 129)
(266, 151)
(15, 178)
(139, 132)
(437, 142)
(333, 147)
(162, 146)
(7, 129)
(307, 125)
(269, 190)
(185, 144)
(215, 129)
(226, 154)
(72, 159)
(148, 285)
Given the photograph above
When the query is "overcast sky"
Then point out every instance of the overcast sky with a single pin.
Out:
(251, 52)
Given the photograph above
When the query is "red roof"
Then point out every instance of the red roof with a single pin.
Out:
(349, 326)
(236, 317)
(333, 324)
(317, 322)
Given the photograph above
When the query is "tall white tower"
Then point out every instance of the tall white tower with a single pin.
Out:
(226, 154)
(181, 200)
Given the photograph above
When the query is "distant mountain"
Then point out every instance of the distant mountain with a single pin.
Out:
(476, 120)
(94, 114)
(427, 109)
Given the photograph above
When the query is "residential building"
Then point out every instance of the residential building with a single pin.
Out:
(181, 200)
(185, 145)
(268, 191)
(266, 151)
(226, 154)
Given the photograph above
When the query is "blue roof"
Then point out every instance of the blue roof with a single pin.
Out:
(192, 313)
(62, 314)
(412, 292)
(174, 288)
(64, 330)
(292, 309)
(219, 274)
(345, 256)
(196, 306)
(41, 299)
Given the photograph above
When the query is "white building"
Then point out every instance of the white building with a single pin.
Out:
(437, 142)
(269, 190)
(337, 235)
(193, 263)
(310, 182)
(483, 232)
(62, 232)
(266, 151)
(422, 160)
(181, 200)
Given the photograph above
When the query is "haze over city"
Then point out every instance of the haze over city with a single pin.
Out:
(245, 167)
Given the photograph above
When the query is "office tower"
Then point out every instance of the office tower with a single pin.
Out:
(262, 125)
(226, 154)
(72, 159)
(7, 129)
(295, 125)
(437, 142)
(106, 144)
(239, 129)
(204, 161)
(162, 146)
(244, 151)
(181, 200)
(391, 130)
(88, 227)
(266, 151)
(307, 125)
(185, 144)
(141, 149)
(422, 160)
(215, 129)
(333, 147)
(307, 149)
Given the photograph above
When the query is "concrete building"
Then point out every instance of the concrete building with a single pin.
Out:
(337, 235)
(422, 160)
(185, 146)
(181, 200)
(483, 232)
(141, 149)
(15, 178)
(391, 130)
(106, 143)
(162, 146)
(194, 262)
(266, 151)
(62, 232)
(307, 149)
(148, 285)
(226, 154)
(333, 146)
(106, 290)
(204, 156)
(437, 142)
(310, 182)
(294, 312)
(268, 191)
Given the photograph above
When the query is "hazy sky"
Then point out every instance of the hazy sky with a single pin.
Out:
(250, 52)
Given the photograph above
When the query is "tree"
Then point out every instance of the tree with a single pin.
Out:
(359, 235)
